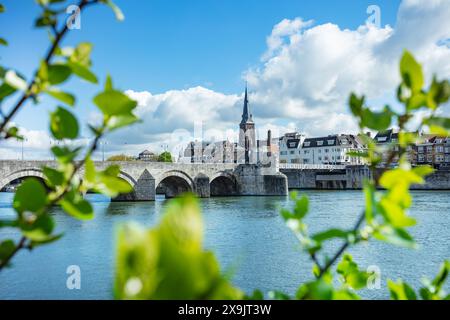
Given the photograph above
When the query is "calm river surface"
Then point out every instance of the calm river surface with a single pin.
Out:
(247, 234)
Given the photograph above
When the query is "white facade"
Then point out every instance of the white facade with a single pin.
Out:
(331, 150)
(290, 148)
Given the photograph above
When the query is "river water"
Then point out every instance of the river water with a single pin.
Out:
(247, 234)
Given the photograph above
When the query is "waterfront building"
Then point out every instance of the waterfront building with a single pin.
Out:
(290, 148)
(332, 149)
(434, 151)
(147, 155)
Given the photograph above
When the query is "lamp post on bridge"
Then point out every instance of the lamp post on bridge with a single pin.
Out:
(103, 143)
(22, 142)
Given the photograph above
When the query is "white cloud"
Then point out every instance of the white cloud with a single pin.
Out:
(305, 77)
(302, 82)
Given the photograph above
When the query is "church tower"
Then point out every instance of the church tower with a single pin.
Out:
(247, 136)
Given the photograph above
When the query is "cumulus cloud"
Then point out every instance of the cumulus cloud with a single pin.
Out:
(307, 72)
(302, 81)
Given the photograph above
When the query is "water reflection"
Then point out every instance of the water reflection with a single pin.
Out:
(247, 234)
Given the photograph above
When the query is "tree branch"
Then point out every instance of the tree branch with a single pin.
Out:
(19, 246)
(51, 51)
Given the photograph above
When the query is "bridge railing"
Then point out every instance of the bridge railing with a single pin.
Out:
(303, 166)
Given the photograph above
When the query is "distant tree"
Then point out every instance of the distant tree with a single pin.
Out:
(120, 157)
(165, 157)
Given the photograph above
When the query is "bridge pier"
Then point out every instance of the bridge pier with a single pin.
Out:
(202, 186)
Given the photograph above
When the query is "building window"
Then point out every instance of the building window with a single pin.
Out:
(283, 153)
(320, 143)
(307, 144)
(330, 142)
(440, 149)
(326, 150)
(292, 152)
(320, 158)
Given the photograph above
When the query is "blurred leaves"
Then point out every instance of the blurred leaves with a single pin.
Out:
(168, 261)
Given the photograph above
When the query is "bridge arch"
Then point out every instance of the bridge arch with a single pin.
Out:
(128, 178)
(21, 174)
(173, 183)
(223, 184)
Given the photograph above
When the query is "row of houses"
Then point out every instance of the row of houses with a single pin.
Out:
(431, 150)
(331, 149)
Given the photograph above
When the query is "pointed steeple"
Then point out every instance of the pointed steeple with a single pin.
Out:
(245, 114)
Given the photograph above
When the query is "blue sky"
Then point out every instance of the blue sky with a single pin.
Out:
(166, 45)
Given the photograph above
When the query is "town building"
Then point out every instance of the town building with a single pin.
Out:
(434, 151)
(332, 149)
(290, 146)
(147, 156)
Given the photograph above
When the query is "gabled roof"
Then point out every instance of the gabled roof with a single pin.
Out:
(331, 141)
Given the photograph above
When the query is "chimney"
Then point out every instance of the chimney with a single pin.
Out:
(269, 143)
(369, 134)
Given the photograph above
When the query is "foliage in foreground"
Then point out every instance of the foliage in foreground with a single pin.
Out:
(168, 261)
(163, 274)
(64, 184)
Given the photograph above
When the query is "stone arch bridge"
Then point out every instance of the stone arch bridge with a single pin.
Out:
(171, 179)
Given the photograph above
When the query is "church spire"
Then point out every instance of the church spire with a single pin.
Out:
(245, 114)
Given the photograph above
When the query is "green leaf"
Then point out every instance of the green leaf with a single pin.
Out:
(330, 234)
(53, 176)
(417, 101)
(351, 274)
(3, 42)
(109, 84)
(317, 290)
(7, 247)
(46, 240)
(278, 295)
(77, 207)
(6, 90)
(117, 12)
(438, 121)
(83, 72)
(395, 236)
(89, 171)
(63, 124)
(13, 132)
(411, 72)
(65, 97)
(122, 120)
(82, 55)
(58, 73)
(439, 93)
(441, 277)
(401, 291)
(2, 8)
(30, 196)
(377, 120)
(64, 154)
(113, 103)
(168, 261)
(356, 104)
(39, 230)
(301, 207)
